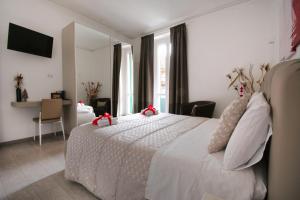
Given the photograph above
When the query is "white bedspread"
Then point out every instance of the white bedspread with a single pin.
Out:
(113, 162)
(184, 170)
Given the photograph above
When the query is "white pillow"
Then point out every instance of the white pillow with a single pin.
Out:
(249, 136)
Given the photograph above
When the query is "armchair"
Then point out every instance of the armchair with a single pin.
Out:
(199, 108)
(101, 105)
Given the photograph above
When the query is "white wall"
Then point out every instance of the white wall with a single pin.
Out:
(218, 42)
(41, 75)
(297, 55)
(93, 66)
(285, 24)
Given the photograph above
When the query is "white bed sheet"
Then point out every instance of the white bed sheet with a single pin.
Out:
(185, 170)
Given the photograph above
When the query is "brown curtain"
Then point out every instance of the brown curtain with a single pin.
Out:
(145, 92)
(116, 77)
(178, 82)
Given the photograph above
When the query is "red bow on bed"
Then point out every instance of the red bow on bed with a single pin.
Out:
(106, 115)
(149, 108)
(81, 102)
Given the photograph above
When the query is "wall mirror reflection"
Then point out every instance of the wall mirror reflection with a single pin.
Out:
(93, 73)
(122, 79)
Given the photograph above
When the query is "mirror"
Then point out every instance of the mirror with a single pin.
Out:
(125, 103)
(93, 73)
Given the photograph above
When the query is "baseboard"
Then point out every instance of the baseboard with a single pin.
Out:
(47, 135)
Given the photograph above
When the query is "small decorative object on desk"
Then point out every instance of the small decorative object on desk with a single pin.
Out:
(19, 83)
(245, 84)
(58, 95)
(24, 95)
(55, 95)
(92, 89)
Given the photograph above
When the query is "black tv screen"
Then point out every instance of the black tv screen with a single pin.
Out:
(29, 41)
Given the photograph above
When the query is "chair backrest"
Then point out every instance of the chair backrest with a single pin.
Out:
(51, 109)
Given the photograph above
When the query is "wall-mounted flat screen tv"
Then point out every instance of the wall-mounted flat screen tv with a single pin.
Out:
(29, 41)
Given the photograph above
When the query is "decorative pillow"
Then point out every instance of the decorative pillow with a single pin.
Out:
(227, 123)
(250, 133)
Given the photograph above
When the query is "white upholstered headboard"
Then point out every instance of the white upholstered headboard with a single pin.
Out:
(282, 89)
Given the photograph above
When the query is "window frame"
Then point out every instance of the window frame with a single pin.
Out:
(161, 39)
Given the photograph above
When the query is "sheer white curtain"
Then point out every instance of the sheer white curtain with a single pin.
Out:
(125, 102)
(162, 52)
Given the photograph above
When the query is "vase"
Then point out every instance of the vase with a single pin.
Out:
(92, 98)
(18, 94)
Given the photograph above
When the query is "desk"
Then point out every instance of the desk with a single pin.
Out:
(34, 104)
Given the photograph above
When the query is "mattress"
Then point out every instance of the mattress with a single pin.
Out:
(114, 162)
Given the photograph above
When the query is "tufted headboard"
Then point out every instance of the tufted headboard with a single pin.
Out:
(282, 89)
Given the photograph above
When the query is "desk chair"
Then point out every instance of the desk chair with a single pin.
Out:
(51, 112)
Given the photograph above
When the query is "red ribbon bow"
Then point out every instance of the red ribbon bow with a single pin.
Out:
(149, 108)
(81, 102)
(106, 115)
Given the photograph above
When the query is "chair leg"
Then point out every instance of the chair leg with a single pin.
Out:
(53, 129)
(62, 128)
(40, 133)
(34, 131)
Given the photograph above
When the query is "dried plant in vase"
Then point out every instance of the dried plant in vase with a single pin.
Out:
(243, 83)
(92, 89)
(264, 69)
(19, 83)
(19, 80)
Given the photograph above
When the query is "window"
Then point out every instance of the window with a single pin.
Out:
(125, 104)
(162, 51)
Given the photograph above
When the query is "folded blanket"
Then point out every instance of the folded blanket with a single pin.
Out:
(105, 120)
(150, 110)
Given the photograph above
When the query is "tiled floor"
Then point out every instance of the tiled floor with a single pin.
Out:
(28, 171)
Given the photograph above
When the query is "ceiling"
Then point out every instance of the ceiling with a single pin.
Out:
(90, 39)
(133, 18)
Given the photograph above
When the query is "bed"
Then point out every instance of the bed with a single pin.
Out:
(165, 156)
(85, 114)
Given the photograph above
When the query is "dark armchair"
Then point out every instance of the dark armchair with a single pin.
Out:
(101, 105)
(199, 108)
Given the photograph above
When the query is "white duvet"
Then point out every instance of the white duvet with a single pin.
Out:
(184, 170)
(161, 157)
